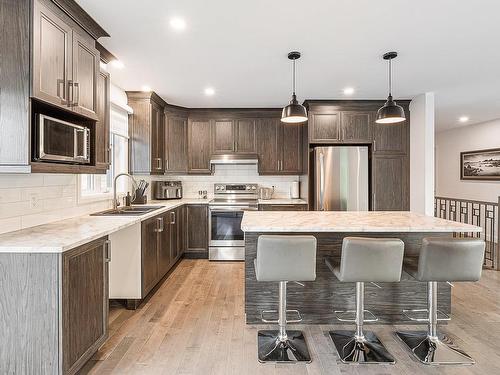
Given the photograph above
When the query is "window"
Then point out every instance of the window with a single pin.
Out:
(101, 186)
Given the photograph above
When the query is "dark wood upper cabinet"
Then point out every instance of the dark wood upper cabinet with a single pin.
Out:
(291, 148)
(357, 126)
(390, 183)
(52, 56)
(83, 85)
(267, 145)
(84, 303)
(245, 140)
(391, 138)
(223, 136)
(65, 61)
(102, 148)
(146, 129)
(199, 146)
(175, 143)
(324, 126)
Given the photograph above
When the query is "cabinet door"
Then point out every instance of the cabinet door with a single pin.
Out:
(356, 126)
(245, 136)
(84, 303)
(390, 138)
(174, 234)
(197, 229)
(102, 149)
(324, 127)
(164, 245)
(223, 136)
(182, 230)
(267, 145)
(199, 136)
(157, 139)
(83, 86)
(291, 149)
(390, 183)
(52, 55)
(149, 239)
(176, 144)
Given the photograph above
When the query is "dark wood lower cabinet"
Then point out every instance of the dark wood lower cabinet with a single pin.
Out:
(84, 303)
(150, 246)
(54, 309)
(197, 231)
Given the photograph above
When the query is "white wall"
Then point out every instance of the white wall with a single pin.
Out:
(449, 144)
(422, 154)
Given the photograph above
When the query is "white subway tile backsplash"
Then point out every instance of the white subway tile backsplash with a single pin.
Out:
(59, 179)
(10, 195)
(20, 180)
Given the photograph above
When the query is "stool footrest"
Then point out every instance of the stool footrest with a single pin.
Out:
(441, 315)
(339, 315)
(267, 319)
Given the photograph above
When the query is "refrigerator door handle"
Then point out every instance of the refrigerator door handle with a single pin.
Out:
(321, 181)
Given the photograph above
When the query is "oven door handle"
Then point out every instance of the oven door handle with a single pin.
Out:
(232, 209)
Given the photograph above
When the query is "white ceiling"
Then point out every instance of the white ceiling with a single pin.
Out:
(239, 47)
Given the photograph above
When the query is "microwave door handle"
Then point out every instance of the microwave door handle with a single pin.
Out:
(85, 143)
(85, 132)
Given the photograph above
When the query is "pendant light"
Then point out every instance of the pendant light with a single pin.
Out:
(390, 112)
(294, 113)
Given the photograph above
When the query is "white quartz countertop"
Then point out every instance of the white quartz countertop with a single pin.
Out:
(59, 236)
(348, 221)
(282, 201)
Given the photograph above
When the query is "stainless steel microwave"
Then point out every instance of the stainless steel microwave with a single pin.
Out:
(61, 141)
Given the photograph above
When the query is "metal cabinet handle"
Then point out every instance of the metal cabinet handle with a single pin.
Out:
(166, 164)
(109, 156)
(160, 226)
(76, 86)
(70, 93)
(158, 163)
(107, 251)
(172, 217)
(59, 82)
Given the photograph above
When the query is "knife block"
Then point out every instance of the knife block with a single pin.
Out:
(140, 199)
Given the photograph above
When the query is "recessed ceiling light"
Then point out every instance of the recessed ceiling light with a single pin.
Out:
(117, 64)
(463, 119)
(146, 88)
(209, 91)
(348, 91)
(178, 23)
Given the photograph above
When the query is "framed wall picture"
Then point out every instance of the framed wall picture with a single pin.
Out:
(480, 165)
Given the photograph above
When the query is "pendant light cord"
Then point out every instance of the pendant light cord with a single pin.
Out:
(390, 77)
(293, 79)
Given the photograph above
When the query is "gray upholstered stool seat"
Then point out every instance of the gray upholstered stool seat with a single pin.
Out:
(441, 259)
(365, 260)
(283, 259)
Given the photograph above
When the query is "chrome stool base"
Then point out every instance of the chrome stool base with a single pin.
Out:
(434, 351)
(367, 350)
(271, 349)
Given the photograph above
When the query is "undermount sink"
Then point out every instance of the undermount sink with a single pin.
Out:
(128, 211)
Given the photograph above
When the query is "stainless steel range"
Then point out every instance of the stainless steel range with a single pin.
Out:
(226, 239)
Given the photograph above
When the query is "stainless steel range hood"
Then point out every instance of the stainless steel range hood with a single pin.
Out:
(234, 159)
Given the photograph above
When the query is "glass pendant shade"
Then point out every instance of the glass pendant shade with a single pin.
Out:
(294, 113)
(390, 112)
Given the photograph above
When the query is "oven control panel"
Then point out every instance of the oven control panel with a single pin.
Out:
(235, 188)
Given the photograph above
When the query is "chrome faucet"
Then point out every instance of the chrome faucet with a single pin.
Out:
(115, 200)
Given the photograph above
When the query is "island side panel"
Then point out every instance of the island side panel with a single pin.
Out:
(319, 299)
(29, 315)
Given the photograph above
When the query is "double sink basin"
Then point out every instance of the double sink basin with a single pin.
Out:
(128, 211)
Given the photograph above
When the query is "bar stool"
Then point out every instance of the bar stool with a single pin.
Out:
(365, 260)
(441, 259)
(283, 259)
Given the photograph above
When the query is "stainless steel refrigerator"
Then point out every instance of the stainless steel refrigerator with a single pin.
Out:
(341, 178)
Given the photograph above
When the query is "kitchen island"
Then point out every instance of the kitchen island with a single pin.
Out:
(318, 300)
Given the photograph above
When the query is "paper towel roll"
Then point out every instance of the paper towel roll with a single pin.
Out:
(294, 190)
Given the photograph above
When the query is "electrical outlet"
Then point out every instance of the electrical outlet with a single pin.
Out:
(34, 201)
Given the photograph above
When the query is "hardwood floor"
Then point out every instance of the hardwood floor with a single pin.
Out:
(194, 324)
